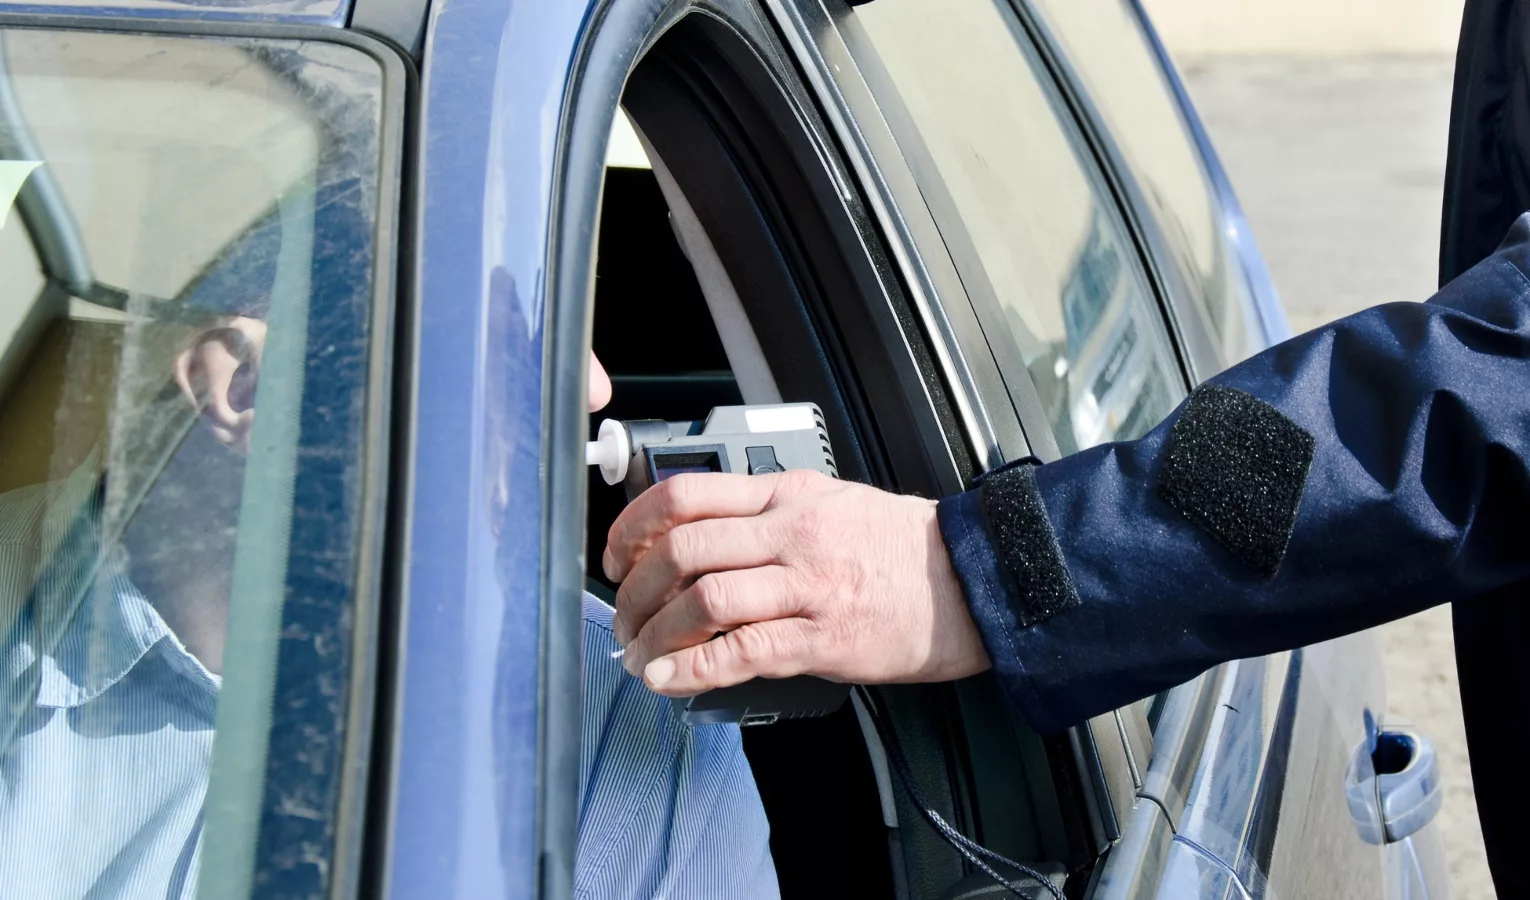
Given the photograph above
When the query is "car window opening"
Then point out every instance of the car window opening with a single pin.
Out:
(679, 332)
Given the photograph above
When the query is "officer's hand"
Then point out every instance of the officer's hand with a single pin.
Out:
(803, 573)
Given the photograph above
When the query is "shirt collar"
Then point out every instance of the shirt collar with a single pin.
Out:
(89, 625)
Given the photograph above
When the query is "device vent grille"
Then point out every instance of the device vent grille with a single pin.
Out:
(823, 437)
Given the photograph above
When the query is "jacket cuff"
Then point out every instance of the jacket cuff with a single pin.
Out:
(993, 601)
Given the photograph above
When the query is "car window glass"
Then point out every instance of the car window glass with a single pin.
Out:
(185, 291)
(1032, 228)
(22, 271)
(1105, 43)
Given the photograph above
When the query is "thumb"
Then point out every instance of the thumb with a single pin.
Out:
(779, 648)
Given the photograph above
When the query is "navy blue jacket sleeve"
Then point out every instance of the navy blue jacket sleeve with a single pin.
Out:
(1417, 494)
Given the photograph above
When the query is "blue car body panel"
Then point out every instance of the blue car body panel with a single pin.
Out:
(1268, 795)
(1190, 871)
(293, 12)
(464, 817)
(1291, 722)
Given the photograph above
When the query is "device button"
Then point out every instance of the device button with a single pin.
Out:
(762, 460)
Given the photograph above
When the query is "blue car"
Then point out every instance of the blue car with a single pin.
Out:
(334, 649)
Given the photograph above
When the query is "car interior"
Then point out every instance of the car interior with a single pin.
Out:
(728, 272)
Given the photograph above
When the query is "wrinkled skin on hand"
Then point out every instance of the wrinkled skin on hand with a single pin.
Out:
(729, 577)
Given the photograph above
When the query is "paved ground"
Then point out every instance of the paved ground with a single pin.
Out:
(1339, 166)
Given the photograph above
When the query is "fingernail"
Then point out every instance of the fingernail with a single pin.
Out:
(619, 631)
(606, 563)
(659, 672)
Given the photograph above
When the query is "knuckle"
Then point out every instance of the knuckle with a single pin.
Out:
(679, 496)
(795, 481)
(703, 663)
(688, 548)
(815, 477)
(799, 591)
(751, 646)
(712, 598)
(629, 610)
(673, 550)
(616, 537)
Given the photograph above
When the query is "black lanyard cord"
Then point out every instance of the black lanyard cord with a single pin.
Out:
(974, 852)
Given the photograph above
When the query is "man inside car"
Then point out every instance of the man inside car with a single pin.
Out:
(115, 662)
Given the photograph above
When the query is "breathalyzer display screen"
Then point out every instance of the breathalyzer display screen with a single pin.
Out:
(668, 465)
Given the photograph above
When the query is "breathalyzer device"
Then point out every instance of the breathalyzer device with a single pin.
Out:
(746, 440)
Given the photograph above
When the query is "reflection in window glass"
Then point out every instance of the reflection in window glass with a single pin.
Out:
(195, 247)
(1031, 226)
(1110, 53)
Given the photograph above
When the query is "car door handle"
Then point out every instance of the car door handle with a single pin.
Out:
(1408, 781)
(1393, 786)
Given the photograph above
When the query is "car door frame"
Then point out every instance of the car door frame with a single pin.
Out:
(613, 37)
(1098, 748)
(478, 752)
(1190, 709)
(1228, 760)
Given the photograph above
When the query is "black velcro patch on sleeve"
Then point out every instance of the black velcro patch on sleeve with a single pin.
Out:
(1017, 520)
(1236, 467)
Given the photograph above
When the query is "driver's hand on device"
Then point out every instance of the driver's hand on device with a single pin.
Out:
(729, 577)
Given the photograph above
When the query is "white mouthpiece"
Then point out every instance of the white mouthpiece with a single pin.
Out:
(611, 450)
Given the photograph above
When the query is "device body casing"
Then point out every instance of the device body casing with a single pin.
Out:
(744, 440)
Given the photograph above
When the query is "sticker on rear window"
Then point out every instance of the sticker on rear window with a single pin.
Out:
(13, 174)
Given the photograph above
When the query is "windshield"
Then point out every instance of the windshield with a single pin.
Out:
(186, 285)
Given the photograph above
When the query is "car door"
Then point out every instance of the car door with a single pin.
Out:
(484, 786)
(1315, 723)
(855, 83)
(1292, 752)
(826, 286)
(1283, 756)
(515, 114)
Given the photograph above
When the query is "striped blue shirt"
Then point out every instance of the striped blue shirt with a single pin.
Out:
(107, 724)
(107, 727)
(666, 811)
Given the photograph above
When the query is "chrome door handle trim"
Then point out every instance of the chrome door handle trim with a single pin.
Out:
(1394, 790)
(1179, 742)
(1410, 798)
